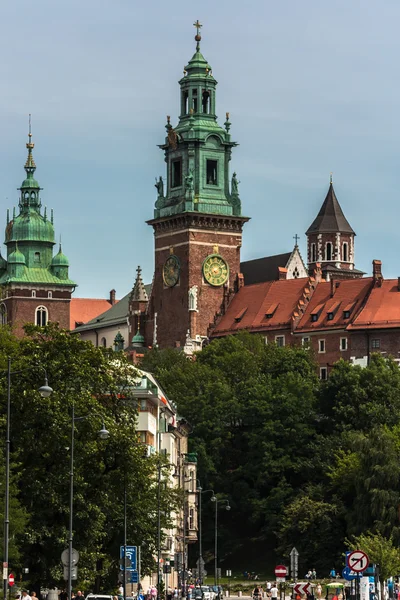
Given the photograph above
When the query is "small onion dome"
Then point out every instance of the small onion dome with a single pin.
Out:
(3, 263)
(138, 339)
(60, 260)
(16, 257)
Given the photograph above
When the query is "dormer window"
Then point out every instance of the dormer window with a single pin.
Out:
(332, 311)
(269, 313)
(347, 310)
(316, 312)
(240, 315)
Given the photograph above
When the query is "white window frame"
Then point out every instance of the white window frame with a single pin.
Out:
(280, 337)
(319, 346)
(343, 339)
(43, 311)
(306, 341)
(373, 346)
(33, 294)
(50, 294)
(325, 370)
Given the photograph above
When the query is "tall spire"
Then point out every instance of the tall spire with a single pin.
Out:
(197, 37)
(139, 291)
(30, 165)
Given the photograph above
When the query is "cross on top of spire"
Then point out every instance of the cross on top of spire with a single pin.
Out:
(296, 239)
(197, 37)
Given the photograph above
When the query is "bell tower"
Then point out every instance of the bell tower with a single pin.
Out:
(197, 218)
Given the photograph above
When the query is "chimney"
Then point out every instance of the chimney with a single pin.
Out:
(377, 272)
(333, 288)
(282, 273)
(317, 272)
(112, 297)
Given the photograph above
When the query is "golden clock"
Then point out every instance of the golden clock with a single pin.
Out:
(215, 270)
(171, 270)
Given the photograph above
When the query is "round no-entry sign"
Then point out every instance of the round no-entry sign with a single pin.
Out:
(11, 579)
(281, 571)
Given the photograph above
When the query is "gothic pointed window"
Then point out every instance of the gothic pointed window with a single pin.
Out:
(41, 316)
(328, 251)
(176, 173)
(3, 314)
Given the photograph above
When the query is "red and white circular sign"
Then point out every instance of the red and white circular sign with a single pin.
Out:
(281, 571)
(11, 579)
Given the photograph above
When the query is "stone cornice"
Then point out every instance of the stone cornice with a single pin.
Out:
(198, 221)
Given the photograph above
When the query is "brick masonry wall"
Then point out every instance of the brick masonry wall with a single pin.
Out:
(191, 244)
(320, 240)
(21, 307)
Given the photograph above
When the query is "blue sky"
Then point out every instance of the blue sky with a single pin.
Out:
(311, 86)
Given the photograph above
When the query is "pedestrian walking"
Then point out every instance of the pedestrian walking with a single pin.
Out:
(169, 593)
(25, 595)
(274, 592)
(319, 590)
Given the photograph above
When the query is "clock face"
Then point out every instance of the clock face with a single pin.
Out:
(215, 270)
(171, 271)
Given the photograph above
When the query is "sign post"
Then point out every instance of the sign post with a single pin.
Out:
(280, 575)
(294, 565)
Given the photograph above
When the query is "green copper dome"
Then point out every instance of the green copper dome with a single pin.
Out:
(30, 183)
(29, 225)
(16, 257)
(60, 260)
(138, 339)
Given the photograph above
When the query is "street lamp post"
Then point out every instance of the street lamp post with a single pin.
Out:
(45, 391)
(201, 491)
(103, 435)
(214, 498)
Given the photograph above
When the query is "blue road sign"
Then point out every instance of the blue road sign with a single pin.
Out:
(131, 552)
(134, 577)
(349, 575)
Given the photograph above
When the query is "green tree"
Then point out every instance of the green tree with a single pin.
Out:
(380, 550)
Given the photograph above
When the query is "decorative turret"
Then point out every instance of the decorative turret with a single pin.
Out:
(60, 265)
(198, 149)
(119, 342)
(330, 241)
(3, 264)
(16, 263)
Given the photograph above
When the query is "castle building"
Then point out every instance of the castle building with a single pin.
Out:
(35, 285)
(330, 241)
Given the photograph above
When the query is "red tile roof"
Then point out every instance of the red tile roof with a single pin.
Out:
(347, 293)
(382, 309)
(249, 307)
(84, 309)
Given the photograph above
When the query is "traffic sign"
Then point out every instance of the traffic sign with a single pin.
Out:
(302, 588)
(281, 571)
(357, 561)
(294, 562)
(74, 573)
(11, 579)
(280, 579)
(131, 552)
(349, 575)
(65, 557)
(134, 577)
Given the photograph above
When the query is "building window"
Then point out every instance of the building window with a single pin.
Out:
(185, 103)
(321, 346)
(345, 254)
(191, 518)
(194, 100)
(3, 314)
(330, 316)
(343, 343)
(206, 102)
(346, 314)
(36, 257)
(143, 404)
(280, 340)
(33, 293)
(313, 253)
(296, 273)
(49, 294)
(212, 174)
(41, 316)
(142, 437)
(305, 341)
(323, 373)
(375, 344)
(328, 251)
(176, 174)
(314, 317)
(103, 342)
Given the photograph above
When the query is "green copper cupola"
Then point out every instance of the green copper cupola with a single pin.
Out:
(30, 236)
(198, 149)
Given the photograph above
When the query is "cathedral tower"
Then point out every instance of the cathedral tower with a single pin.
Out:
(330, 241)
(35, 286)
(197, 218)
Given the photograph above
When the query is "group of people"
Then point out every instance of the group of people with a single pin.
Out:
(271, 591)
(25, 596)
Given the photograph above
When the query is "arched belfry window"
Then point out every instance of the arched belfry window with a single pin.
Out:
(206, 102)
(328, 251)
(313, 252)
(42, 316)
(3, 314)
(345, 252)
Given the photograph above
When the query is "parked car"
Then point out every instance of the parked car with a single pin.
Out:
(218, 592)
(206, 593)
(197, 594)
